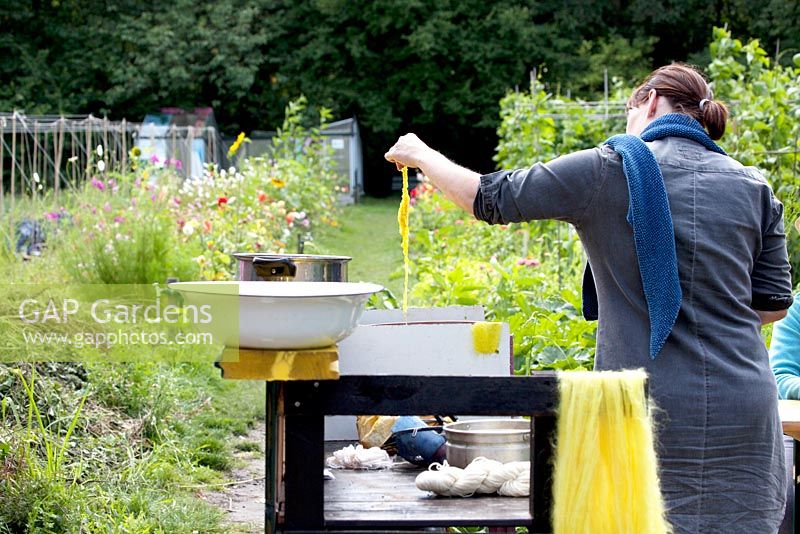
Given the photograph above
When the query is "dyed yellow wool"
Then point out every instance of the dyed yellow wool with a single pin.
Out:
(402, 222)
(606, 471)
(486, 337)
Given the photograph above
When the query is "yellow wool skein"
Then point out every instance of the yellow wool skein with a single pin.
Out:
(402, 223)
(605, 479)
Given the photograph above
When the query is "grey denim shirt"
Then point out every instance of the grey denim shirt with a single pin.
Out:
(712, 382)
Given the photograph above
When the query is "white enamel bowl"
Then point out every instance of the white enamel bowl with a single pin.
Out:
(279, 315)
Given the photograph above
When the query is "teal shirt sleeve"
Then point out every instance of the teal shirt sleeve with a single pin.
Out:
(784, 353)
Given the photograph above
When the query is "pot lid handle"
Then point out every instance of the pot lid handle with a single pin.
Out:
(267, 267)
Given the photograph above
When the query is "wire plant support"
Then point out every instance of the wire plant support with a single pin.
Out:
(45, 154)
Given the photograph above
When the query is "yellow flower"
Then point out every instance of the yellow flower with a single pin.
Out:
(236, 144)
(277, 182)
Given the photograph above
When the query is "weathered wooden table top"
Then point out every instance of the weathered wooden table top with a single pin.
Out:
(790, 417)
(388, 495)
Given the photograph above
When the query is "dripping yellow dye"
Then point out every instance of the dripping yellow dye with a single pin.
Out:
(402, 222)
(605, 479)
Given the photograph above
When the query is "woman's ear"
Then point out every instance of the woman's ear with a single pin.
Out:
(652, 102)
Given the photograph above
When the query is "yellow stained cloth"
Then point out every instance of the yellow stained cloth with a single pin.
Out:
(256, 364)
(402, 223)
(374, 430)
(486, 337)
(605, 479)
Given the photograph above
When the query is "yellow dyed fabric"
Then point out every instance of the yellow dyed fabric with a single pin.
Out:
(605, 479)
(374, 430)
(402, 223)
(486, 337)
(283, 365)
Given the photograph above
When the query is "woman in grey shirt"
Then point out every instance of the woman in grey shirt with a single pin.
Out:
(718, 430)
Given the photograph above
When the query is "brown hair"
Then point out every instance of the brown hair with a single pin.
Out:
(688, 92)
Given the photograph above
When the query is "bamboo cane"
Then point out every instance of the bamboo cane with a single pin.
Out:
(13, 155)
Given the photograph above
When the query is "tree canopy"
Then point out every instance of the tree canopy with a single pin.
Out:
(439, 68)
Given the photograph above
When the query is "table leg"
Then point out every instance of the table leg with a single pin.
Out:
(542, 473)
(272, 469)
(304, 465)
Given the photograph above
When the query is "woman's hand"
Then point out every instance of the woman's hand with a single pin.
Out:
(459, 184)
(408, 151)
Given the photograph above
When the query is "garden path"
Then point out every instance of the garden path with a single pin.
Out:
(243, 502)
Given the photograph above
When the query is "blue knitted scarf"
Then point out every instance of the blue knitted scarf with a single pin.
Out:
(649, 215)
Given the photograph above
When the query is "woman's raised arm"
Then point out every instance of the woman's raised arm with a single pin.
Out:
(458, 183)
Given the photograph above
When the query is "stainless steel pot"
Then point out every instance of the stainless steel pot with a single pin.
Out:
(504, 440)
(255, 267)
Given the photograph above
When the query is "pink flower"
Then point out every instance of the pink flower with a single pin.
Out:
(52, 216)
(178, 164)
(176, 200)
(119, 219)
(106, 207)
(98, 184)
(154, 159)
(528, 262)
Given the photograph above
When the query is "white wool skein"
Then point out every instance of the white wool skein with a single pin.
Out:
(482, 475)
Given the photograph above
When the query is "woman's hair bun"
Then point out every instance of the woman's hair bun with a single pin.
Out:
(715, 117)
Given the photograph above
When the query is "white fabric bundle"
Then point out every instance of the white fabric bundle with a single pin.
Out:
(512, 479)
(359, 458)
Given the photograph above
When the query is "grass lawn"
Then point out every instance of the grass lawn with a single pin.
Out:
(368, 233)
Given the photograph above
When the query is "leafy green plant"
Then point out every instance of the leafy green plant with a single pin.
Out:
(764, 130)
(121, 231)
(271, 204)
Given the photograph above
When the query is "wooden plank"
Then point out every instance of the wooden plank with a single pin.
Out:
(790, 417)
(384, 498)
(279, 365)
(481, 512)
(411, 395)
